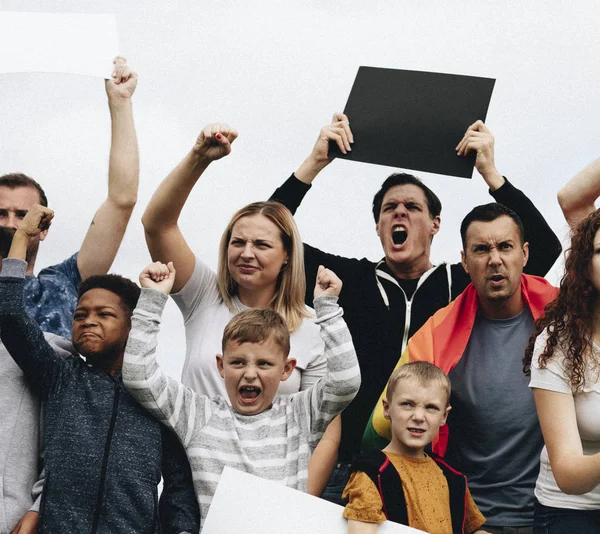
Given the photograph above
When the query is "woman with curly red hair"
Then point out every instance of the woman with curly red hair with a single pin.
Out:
(564, 362)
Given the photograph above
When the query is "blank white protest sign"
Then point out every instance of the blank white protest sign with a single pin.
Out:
(69, 43)
(249, 504)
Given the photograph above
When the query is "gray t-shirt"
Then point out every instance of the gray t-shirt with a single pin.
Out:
(495, 438)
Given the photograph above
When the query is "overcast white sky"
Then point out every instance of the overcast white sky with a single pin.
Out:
(277, 71)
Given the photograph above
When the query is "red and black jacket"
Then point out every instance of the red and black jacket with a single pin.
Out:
(380, 470)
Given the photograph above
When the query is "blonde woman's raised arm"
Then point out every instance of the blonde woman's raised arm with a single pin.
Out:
(164, 238)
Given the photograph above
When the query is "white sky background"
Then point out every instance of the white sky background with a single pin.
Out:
(277, 71)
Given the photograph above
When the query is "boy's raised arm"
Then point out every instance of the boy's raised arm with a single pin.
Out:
(175, 405)
(330, 395)
(20, 334)
(107, 229)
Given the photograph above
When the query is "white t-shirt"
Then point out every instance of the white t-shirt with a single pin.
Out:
(587, 410)
(205, 316)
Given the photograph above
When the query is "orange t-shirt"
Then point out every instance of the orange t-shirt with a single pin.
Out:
(425, 491)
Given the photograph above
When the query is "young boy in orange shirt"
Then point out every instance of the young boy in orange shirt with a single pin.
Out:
(402, 483)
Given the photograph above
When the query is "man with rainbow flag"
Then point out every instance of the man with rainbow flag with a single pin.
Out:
(492, 434)
(386, 302)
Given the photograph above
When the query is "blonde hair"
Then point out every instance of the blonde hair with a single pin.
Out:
(257, 326)
(288, 300)
(424, 373)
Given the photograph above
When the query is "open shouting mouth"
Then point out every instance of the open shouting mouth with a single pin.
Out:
(249, 394)
(399, 235)
(497, 279)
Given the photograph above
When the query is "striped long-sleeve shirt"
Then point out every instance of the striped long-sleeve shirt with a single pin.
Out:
(275, 444)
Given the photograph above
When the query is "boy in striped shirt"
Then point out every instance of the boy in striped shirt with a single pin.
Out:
(251, 430)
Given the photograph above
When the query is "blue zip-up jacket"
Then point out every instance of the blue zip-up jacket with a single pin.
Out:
(104, 454)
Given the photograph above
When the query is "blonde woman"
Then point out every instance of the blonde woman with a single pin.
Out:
(261, 265)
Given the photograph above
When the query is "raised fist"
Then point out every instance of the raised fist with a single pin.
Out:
(123, 82)
(159, 276)
(214, 142)
(328, 284)
(37, 220)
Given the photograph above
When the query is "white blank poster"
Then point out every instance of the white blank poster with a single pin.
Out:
(58, 42)
(253, 505)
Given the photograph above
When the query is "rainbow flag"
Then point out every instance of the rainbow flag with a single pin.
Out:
(442, 341)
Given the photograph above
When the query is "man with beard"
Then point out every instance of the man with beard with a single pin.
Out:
(51, 296)
(386, 302)
(493, 435)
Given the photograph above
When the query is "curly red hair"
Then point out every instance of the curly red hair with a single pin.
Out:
(569, 319)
